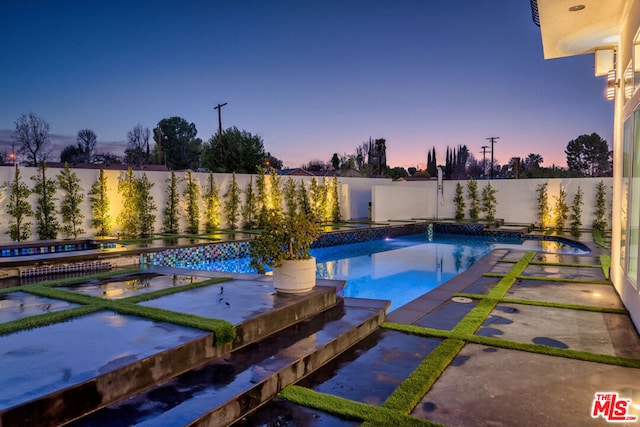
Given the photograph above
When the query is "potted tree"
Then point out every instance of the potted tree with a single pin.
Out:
(284, 246)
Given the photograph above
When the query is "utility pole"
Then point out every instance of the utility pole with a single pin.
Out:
(493, 140)
(484, 160)
(219, 108)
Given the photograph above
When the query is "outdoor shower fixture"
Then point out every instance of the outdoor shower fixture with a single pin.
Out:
(439, 191)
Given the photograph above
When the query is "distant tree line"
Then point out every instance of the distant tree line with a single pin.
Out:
(173, 143)
(176, 145)
(587, 156)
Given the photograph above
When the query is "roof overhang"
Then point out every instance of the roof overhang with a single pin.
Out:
(577, 27)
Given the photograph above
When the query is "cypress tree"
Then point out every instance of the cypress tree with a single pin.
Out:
(70, 204)
(98, 197)
(45, 188)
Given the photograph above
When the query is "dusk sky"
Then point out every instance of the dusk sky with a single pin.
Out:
(310, 77)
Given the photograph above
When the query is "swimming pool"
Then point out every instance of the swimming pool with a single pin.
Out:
(403, 268)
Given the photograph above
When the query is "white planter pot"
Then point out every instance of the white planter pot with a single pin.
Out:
(295, 277)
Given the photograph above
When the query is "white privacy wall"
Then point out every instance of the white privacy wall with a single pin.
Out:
(516, 198)
(354, 194)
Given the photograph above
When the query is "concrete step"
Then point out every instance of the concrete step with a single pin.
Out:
(257, 313)
(226, 389)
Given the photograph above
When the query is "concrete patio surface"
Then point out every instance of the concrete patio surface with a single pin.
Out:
(570, 351)
(490, 385)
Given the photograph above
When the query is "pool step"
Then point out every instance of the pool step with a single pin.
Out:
(224, 390)
(256, 323)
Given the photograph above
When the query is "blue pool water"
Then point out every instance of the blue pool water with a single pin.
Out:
(403, 268)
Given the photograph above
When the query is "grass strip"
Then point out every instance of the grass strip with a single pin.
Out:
(420, 381)
(548, 304)
(76, 298)
(553, 279)
(553, 264)
(513, 345)
(503, 286)
(605, 263)
(68, 280)
(45, 319)
(174, 290)
(224, 331)
(349, 409)
(476, 317)
(599, 240)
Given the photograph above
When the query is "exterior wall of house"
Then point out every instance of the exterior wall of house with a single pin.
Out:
(626, 203)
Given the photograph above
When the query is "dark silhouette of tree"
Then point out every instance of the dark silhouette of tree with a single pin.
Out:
(379, 156)
(84, 149)
(236, 151)
(455, 166)
(315, 165)
(589, 155)
(448, 164)
(107, 159)
(335, 161)
(397, 172)
(475, 168)
(87, 140)
(460, 158)
(533, 161)
(371, 157)
(71, 154)
(432, 162)
(137, 151)
(32, 137)
(272, 161)
(176, 144)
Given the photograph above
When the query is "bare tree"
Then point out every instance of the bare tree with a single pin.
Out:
(32, 137)
(87, 140)
(137, 151)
